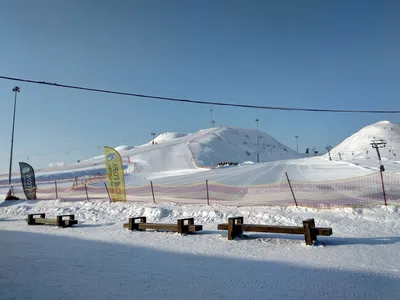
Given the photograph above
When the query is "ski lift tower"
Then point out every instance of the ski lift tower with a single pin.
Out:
(377, 144)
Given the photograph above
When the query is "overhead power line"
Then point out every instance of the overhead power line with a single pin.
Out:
(200, 101)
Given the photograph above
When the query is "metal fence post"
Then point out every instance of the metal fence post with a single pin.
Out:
(291, 189)
(55, 184)
(152, 192)
(87, 195)
(208, 195)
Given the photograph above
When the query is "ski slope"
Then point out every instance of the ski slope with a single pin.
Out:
(178, 154)
(187, 158)
(306, 169)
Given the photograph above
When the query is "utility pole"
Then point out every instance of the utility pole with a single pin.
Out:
(16, 90)
(258, 143)
(377, 144)
(153, 134)
(297, 143)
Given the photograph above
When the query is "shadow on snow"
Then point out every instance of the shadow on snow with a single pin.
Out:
(43, 266)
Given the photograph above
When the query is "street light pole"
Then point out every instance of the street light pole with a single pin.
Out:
(258, 144)
(16, 90)
(297, 143)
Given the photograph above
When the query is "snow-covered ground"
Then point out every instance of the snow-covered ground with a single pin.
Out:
(305, 169)
(183, 162)
(176, 154)
(99, 259)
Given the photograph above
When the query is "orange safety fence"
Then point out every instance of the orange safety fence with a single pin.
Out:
(356, 192)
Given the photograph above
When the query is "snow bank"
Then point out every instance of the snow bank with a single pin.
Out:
(105, 212)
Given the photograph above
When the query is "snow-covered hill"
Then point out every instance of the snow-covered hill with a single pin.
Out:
(358, 146)
(184, 154)
(238, 145)
(187, 153)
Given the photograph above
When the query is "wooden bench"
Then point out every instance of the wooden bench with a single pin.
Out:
(182, 226)
(236, 227)
(60, 221)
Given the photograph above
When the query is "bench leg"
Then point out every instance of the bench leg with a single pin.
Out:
(309, 234)
(313, 232)
(31, 220)
(233, 230)
(181, 225)
(239, 230)
(60, 222)
(231, 226)
(132, 225)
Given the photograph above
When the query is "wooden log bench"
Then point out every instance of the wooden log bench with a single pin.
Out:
(235, 227)
(182, 226)
(60, 221)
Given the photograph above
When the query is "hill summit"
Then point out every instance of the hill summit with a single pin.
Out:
(358, 146)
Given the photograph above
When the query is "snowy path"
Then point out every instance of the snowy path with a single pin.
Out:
(99, 259)
(309, 169)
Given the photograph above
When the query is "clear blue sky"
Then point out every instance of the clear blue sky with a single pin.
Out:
(321, 54)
